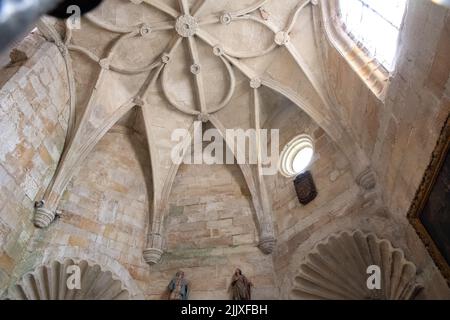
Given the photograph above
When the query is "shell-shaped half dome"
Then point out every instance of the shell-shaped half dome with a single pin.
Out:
(52, 282)
(340, 267)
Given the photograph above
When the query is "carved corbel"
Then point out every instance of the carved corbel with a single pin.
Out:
(153, 253)
(267, 240)
(367, 179)
(43, 217)
(267, 244)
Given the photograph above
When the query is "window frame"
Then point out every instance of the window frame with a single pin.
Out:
(368, 68)
(291, 150)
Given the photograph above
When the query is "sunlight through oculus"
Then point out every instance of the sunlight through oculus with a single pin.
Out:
(297, 156)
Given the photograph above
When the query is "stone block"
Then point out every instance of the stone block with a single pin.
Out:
(243, 239)
(220, 224)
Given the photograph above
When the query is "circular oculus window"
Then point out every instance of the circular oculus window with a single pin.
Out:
(296, 156)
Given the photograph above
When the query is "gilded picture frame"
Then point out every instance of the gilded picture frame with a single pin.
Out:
(422, 198)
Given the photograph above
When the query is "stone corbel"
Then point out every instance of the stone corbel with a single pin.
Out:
(267, 243)
(367, 179)
(267, 240)
(152, 255)
(370, 195)
(43, 217)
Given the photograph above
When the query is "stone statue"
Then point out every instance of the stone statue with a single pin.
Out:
(178, 287)
(240, 287)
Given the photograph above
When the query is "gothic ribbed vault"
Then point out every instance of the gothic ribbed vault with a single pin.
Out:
(182, 61)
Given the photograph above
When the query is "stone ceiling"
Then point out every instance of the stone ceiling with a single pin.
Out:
(182, 61)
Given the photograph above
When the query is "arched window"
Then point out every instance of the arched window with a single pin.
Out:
(367, 34)
(375, 26)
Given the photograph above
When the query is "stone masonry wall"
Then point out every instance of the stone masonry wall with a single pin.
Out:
(33, 124)
(295, 224)
(210, 229)
(338, 207)
(400, 133)
(210, 232)
(104, 210)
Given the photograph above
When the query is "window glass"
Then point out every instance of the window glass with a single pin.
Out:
(375, 24)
